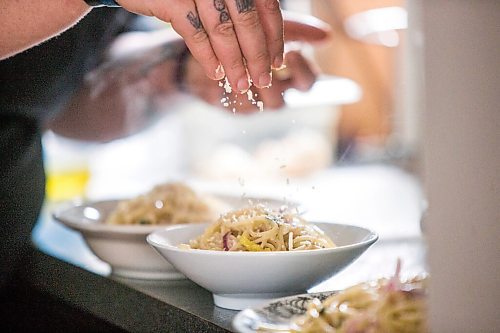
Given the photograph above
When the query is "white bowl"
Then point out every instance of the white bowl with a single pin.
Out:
(243, 279)
(124, 247)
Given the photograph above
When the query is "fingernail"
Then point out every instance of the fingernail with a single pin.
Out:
(265, 80)
(219, 73)
(243, 85)
(278, 62)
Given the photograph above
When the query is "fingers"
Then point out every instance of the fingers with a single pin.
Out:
(219, 26)
(189, 25)
(252, 40)
(230, 33)
(272, 23)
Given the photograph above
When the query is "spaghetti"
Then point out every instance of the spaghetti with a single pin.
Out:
(382, 306)
(258, 228)
(171, 203)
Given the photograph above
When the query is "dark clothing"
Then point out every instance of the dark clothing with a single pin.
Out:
(34, 86)
(22, 182)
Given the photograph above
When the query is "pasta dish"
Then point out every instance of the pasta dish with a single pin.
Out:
(382, 306)
(171, 203)
(258, 228)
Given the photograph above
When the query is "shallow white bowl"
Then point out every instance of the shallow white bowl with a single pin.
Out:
(124, 247)
(242, 279)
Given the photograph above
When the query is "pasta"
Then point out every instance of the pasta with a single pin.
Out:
(258, 228)
(382, 306)
(171, 203)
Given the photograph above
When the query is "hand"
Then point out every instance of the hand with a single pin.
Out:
(227, 37)
(298, 73)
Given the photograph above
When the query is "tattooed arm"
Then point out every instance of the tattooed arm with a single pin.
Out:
(242, 39)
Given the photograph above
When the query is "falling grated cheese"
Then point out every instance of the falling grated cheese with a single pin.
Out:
(260, 105)
(227, 86)
(226, 102)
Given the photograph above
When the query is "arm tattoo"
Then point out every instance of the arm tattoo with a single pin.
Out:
(245, 5)
(220, 6)
(195, 21)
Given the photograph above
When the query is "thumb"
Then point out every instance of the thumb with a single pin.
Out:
(305, 28)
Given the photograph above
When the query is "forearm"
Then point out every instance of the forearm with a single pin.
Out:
(26, 23)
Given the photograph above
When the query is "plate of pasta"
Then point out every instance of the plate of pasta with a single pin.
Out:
(253, 254)
(116, 230)
(386, 305)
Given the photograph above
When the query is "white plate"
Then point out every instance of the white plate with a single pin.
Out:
(277, 315)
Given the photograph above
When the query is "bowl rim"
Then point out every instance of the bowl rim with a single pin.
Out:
(371, 238)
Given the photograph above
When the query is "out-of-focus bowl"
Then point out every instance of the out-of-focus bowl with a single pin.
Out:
(121, 246)
(124, 247)
(242, 279)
